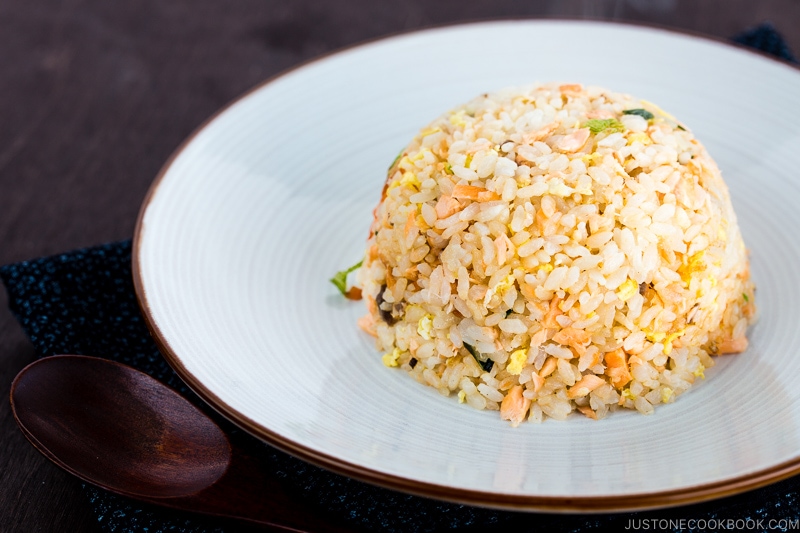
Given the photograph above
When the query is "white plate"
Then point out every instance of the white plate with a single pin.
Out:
(252, 216)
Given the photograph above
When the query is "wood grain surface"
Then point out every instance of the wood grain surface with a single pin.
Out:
(95, 95)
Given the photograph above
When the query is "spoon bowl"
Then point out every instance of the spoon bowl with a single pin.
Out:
(113, 426)
(123, 431)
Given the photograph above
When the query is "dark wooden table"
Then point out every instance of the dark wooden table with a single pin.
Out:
(95, 95)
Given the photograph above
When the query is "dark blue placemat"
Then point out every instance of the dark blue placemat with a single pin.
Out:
(766, 38)
(83, 302)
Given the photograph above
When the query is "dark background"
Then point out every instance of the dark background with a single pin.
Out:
(95, 95)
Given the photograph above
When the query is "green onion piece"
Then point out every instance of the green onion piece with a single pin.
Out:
(644, 113)
(485, 365)
(396, 159)
(746, 298)
(597, 125)
(340, 279)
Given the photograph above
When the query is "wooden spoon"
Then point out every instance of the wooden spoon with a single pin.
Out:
(121, 430)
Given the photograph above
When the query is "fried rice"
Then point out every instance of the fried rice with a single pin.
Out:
(556, 249)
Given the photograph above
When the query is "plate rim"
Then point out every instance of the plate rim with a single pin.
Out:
(514, 502)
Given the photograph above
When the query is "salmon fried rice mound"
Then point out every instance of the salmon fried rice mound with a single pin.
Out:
(554, 249)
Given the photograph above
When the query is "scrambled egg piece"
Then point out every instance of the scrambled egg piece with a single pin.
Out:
(641, 137)
(695, 264)
(627, 290)
(457, 119)
(517, 361)
(559, 188)
(410, 179)
(669, 338)
(654, 336)
(666, 394)
(626, 393)
(462, 396)
(506, 283)
(390, 359)
(593, 158)
(700, 372)
(425, 327)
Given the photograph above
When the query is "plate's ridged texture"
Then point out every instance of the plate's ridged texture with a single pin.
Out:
(248, 222)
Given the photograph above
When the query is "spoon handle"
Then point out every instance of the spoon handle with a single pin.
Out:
(248, 492)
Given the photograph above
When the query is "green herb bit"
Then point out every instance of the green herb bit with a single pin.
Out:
(396, 159)
(644, 113)
(485, 365)
(597, 125)
(746, 298)
(340, 279)
(680, 127)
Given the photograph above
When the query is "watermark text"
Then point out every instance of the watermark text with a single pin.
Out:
(713, 524)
